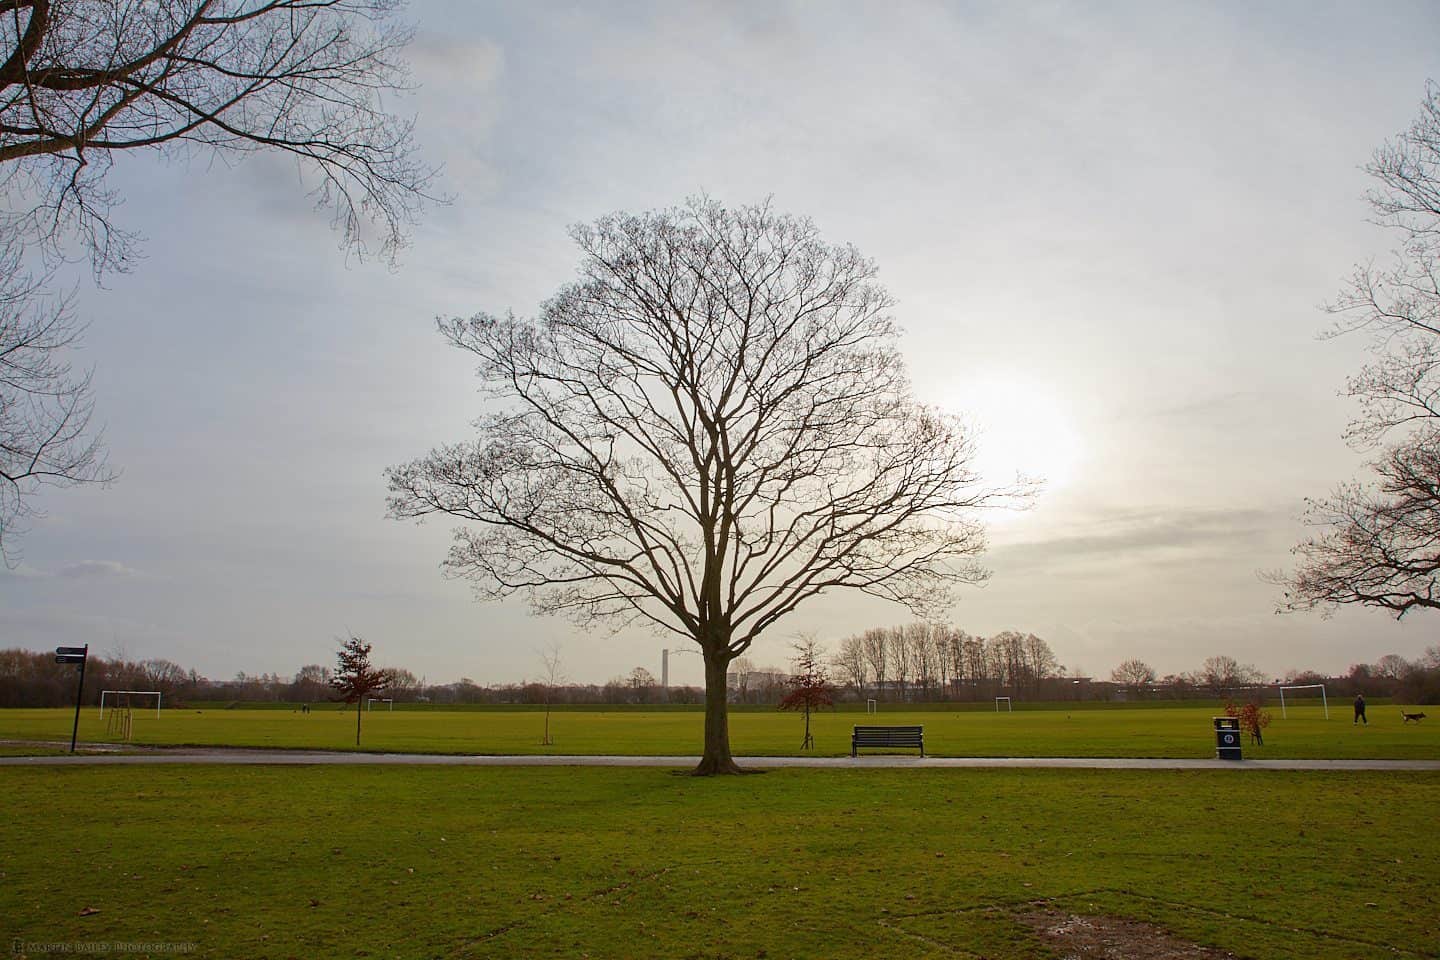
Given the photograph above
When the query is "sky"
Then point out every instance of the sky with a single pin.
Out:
(1110, 230)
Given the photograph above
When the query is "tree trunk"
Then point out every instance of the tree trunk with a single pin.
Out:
(358, 704)
(717, 757)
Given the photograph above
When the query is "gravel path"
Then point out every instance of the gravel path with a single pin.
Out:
(321, 758)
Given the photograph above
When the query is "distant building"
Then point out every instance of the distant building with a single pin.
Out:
(761, 686)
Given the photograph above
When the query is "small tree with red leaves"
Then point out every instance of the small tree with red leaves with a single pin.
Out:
(1252, 718)
(810, 687)
(355, 679)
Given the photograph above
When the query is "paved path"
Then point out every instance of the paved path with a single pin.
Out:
(313, 758)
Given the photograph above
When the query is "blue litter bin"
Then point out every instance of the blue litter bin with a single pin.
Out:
(1227, 738)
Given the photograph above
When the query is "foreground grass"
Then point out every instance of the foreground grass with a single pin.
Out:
(1116, 731)
(433, 862)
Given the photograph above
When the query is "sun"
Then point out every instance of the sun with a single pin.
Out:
(1022, 426)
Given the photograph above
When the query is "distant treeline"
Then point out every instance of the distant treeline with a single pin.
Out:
(917, 664)
(939, 662)
(32, 679)
(1407, 681)
(1391, 677)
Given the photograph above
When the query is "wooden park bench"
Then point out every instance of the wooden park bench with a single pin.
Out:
(887, 737)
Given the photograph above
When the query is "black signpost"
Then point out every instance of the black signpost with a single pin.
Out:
(74, 655)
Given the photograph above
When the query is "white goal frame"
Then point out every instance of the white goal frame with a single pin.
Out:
(371, 701)
(140, 693)
(1009, 704)
(1324, 701)
(870, 705)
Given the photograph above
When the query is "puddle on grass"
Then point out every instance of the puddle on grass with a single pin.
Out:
(1111, 938)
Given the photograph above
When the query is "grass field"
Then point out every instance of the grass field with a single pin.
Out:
(1116, 731)
(265, 862)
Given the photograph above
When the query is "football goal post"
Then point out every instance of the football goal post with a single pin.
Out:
(1009, 707)
(371, 701)
(869, 706)
(1305, 686)
(119, 697)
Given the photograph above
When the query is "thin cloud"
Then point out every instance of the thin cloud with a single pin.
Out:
(1143, 535)
(96, 569)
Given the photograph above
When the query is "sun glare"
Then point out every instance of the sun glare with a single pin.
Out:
(1022, 427)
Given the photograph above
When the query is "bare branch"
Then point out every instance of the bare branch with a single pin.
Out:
(1398, 307)
(1378, 543)
(85, 78)
(81, 80)
(1377, 548)
(45, 406)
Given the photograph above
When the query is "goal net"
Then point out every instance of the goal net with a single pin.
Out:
(1325, 703)
(371, 701)
(128, 699)
(1008, 705)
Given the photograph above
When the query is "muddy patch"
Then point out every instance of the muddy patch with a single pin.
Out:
(1113, 938)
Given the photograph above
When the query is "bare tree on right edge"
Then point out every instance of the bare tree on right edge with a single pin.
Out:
(1377, 543)
(1378, 546)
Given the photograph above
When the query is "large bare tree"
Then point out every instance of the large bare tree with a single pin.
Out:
(1377, 543)
(710, 426)
(84, 80)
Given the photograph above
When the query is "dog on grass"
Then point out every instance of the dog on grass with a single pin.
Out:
(1417, 717)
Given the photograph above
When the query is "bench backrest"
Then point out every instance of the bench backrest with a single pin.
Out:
(888, 735)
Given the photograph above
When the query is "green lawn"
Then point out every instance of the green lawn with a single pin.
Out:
(29, 750)
(266, 862)
(1115, 731)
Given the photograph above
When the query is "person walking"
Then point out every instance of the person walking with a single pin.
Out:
(1360, 710)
